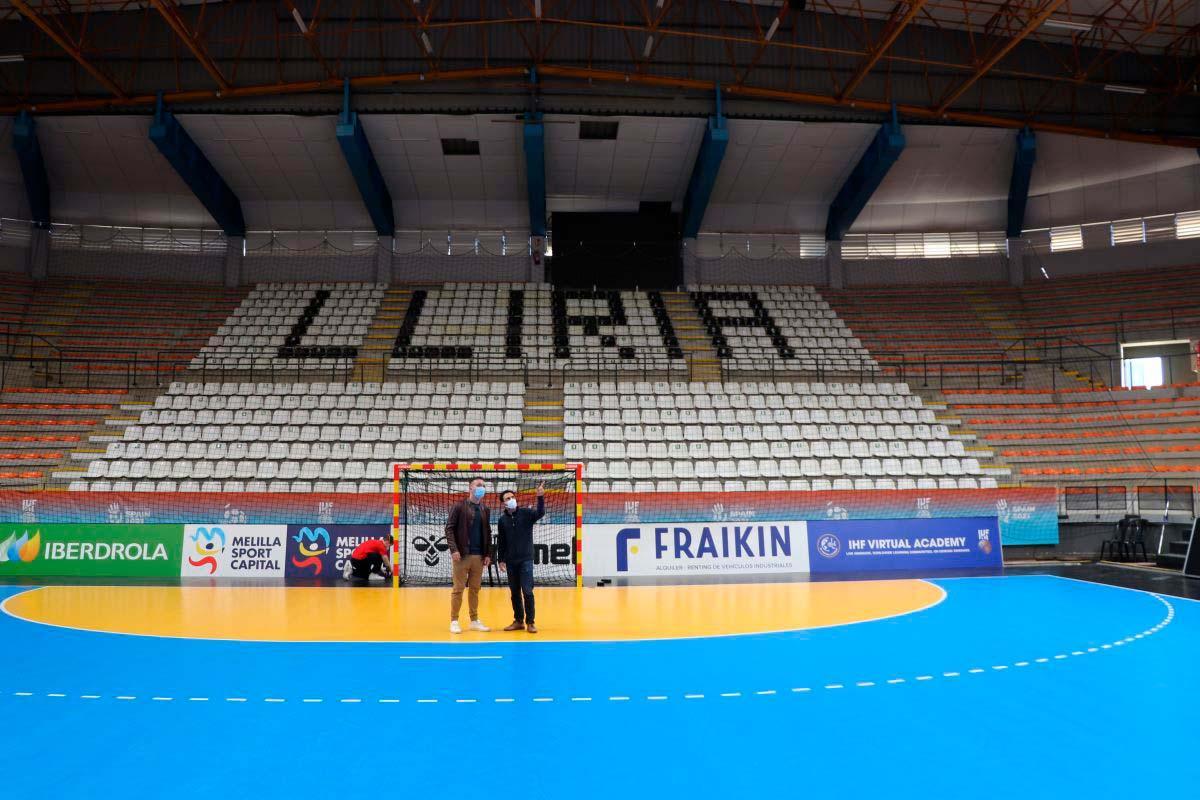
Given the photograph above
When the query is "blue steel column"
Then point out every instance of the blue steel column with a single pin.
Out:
(1018, 188)
(197, 171)
(535, 171)
(33, 169)
(364, 168)
(870, 171)
(704, 172)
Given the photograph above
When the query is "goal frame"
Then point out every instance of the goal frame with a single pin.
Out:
(499, 467)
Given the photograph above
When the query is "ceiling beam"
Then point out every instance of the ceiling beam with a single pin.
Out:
(999, 53)
(29, 13)
(170, 14)
(605, 76)
(909, 111)
(885, 44)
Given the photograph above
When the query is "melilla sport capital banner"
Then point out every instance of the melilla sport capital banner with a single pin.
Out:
(318, 551)
(233, 551)
(134, 551)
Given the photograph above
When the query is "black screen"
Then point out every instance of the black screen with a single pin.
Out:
(616, 250)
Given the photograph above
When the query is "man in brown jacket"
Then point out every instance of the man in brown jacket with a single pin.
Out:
(469, 535)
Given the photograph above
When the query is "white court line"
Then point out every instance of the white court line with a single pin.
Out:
(448, 658)
(692, 696)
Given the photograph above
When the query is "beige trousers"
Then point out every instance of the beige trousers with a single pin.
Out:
(468, 574)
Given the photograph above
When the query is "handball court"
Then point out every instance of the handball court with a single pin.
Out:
(1021, 684)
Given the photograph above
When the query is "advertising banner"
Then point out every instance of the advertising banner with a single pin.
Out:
(132, 551)
(695, 548)
(903, 544)
(320, 551)
(233, 551)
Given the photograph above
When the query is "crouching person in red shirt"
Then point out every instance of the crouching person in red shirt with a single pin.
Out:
(372, 556)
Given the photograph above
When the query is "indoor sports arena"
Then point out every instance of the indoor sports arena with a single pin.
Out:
(674, 398)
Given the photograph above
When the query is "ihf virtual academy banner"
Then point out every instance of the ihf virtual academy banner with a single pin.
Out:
(903, 544)
(135, 551)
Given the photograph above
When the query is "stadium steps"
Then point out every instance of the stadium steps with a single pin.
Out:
(698, 352)
(1176, 552)
(542, 425)
(381, 336)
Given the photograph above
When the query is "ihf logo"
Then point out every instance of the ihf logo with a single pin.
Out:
(829, 545)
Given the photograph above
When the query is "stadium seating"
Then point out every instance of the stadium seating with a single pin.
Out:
(456, 326)
(1088, 435)
(762, 436)
(294, 325)
(112, 327)
(758, 328)
(306, 437)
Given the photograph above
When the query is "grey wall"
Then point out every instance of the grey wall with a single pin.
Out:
(14, 259)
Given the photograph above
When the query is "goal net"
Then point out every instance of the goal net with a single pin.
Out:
(425, 494)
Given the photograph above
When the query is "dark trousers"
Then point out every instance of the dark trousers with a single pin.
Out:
(520, 585)
(362, 568)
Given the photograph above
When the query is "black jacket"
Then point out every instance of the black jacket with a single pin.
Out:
(515, 541)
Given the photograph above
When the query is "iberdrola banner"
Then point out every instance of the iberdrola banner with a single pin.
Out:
(48, 549)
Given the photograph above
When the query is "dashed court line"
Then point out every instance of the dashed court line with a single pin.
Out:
(1170, 616)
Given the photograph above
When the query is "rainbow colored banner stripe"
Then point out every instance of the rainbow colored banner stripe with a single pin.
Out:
(1027, 516)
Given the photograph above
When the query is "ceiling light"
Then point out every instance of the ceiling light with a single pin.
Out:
(771, 30)
(1068, 25)
(1119, 89)
(537, 8)
(299, 21)
(425, 41)
(646, 49)
(14, 58)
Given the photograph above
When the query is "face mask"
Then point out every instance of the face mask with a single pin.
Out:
(510, 504)
(478, 492)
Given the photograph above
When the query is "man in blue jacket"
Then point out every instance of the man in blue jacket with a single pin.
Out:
(515, 554)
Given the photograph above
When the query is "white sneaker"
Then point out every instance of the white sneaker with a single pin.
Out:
(346, 570)
(476, 625)
(455, 627)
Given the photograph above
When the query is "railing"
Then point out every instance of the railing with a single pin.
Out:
(1175, 321)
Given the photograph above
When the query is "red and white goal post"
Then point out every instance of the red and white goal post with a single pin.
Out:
(422, 495)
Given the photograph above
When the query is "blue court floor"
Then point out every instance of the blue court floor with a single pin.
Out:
(1016, 686)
